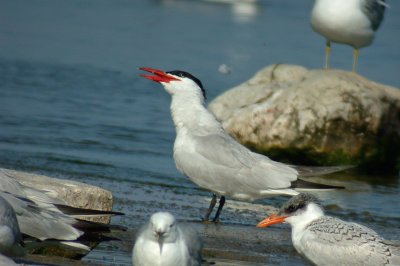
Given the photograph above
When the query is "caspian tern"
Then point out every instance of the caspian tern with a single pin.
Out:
(351, 22)
(213, 160)
(326, 240)
(163, 242)
(43, 217)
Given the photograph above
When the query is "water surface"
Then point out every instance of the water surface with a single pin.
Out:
(72, 106)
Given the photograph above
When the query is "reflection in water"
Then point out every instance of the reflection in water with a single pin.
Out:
(243, 11)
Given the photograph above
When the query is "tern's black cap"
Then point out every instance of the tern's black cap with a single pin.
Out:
(185, 74)
(298, 202)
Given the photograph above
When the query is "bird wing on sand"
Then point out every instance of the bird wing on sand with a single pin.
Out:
(39, 222)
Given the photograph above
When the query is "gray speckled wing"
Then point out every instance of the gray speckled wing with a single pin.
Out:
(331, 241)
(374, 11)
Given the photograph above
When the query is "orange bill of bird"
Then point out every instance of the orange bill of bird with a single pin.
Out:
(272, 219)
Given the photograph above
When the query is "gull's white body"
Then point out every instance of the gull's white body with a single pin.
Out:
(326, 240)
(173, 254)
(180, 245)
(345, 21)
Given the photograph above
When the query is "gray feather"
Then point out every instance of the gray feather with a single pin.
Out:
(374, 11)
(335, 242)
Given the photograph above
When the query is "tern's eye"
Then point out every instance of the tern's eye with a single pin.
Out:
(171, 225)
(290, 209)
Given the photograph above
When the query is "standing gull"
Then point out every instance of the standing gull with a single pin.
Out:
(162, 242)
(326, 240)
(212, 159)
(351, 22)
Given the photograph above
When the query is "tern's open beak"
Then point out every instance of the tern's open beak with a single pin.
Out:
(272, 219)
(159, 76)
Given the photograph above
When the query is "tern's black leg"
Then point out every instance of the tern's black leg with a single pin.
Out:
(220, 206)
(210, 208)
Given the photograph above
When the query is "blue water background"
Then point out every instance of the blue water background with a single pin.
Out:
(72, 105)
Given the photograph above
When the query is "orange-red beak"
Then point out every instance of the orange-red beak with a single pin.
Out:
(272, 219)
(159, 76)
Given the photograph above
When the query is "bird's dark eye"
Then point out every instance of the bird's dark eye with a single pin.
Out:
(290, 209)
(171, 225)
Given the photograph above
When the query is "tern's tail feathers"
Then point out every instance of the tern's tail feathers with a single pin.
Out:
(305, 171)
(303, 185)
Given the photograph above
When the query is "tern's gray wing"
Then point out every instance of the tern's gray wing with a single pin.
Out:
(193, 243)
(222, 157)
(331, 241)
(374, 11)
(39, 222)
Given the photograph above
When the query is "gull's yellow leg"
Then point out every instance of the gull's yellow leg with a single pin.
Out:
(355, 59)
(327, 53)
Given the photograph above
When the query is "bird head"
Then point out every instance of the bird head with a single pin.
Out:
(176, 82)
(300, 209)
(163, 228)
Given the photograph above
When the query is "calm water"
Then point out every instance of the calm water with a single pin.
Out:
(72, 105)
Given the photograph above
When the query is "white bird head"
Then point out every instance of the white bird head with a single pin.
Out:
(177, 82)
(300, 209)
(163, 227)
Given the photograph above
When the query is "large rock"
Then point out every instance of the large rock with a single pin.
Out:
(314, 116)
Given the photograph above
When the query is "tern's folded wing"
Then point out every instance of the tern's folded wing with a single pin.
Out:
(331, 241)
(226, 157)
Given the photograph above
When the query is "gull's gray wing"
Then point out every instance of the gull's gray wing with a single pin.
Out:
(331, 241)
(9, 184)
(39, 222)
(374, 10)
(193, 243)
(9, 219)
(221, 157)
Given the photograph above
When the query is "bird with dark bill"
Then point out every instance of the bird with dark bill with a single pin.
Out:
(164, 242)
(325, 240)
(213, 160)
(351, 22)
